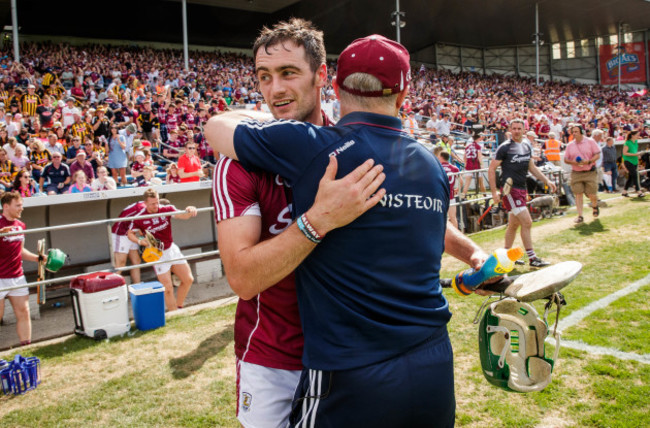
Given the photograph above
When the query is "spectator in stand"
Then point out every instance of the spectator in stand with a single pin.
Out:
(8, 171)
(45, 112)
(29, 102)
(81, 164)
(53, 145)
(117, 156)
(101, 124)
(20, 159)
(24, 184)
(148, 178)
(128, 135)
(137, 166)
(631, 162)
(103, 181)
(4, 136)
(73, 149)
(79, 183)
(189, 164)
(68, 112)
(23, 136)
(610, 169)
(57, 175)
(148, 122)
(39, 157)
(172, 174)
(173, 151)
(11, 145)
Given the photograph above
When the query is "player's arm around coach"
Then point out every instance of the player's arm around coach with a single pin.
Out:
(256, 265)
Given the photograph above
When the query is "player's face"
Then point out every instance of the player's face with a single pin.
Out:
(289, 86)
(517, 131)
(13, 210)
(152, 205)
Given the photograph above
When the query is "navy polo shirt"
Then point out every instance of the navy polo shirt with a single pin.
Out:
(370, 291)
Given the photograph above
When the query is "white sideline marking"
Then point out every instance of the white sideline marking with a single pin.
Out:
(602, 350)
(581, 314)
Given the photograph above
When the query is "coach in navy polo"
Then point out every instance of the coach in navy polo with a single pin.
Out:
(373, 313)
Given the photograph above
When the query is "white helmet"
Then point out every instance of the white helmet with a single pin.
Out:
(511, 344)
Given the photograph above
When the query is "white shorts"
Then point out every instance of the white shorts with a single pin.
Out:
(122, 244)
(172, 252)
(12, 282)
(264, 395)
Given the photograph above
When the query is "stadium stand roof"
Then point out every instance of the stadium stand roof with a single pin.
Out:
(235, 23)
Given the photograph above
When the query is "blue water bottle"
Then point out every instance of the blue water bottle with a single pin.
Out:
(499, 263)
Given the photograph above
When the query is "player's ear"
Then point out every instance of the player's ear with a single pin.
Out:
(321, 76)
(401, 96)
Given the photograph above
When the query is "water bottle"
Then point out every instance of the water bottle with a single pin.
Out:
(499, 263)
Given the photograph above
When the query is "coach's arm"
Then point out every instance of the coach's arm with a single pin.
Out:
(220, 129)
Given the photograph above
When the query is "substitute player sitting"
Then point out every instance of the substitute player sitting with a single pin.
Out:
(161, 229)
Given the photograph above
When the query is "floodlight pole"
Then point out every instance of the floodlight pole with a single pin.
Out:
(537, 43)
(619, 50)
(397, 20)
(14, 30)
(185, 53)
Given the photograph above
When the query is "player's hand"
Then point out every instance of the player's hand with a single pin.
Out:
(339, 202)
(496, 198)
(60, 186)
(476, 262)
(6, 229)
(552, 186)
(191, 210)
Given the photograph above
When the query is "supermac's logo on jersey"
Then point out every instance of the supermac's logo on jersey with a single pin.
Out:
(519, 158)
(13, 238)
(342, 148)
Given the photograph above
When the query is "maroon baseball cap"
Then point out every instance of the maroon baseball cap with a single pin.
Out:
(380, 57)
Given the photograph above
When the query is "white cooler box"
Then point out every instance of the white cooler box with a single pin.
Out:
(100, 305)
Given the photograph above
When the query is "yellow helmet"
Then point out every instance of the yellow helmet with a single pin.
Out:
(151, 254)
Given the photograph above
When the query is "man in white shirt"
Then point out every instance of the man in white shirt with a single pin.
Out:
(68, 112)
(129, 135)
(443, 126)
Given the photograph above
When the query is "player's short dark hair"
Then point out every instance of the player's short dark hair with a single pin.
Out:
(8, 198)
(444, 155)
(296, 30)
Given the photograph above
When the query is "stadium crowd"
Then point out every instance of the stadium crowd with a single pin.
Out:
(127, 116)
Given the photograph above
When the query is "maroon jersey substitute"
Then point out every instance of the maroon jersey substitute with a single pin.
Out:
(160, 227)
(471, 153)
(11, 248)
(267, 327)
(137, 166)
(450, 169)
(122, 227)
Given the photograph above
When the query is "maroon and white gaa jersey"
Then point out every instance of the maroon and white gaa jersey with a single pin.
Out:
(267, 327)
(11, 248)
(122, 227)
(450, 169)
(160, 227)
